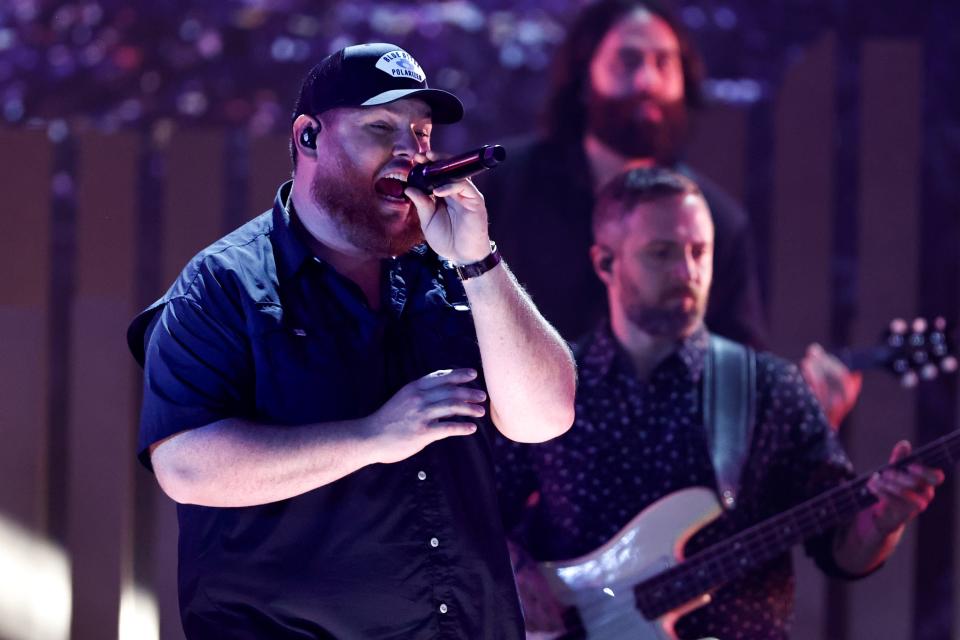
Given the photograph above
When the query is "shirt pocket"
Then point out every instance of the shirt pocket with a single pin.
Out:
(303, 372)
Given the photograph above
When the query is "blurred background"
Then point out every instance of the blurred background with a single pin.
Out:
(132, 134)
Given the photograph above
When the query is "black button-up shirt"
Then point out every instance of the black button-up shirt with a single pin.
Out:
(259, 328)
(634, 442)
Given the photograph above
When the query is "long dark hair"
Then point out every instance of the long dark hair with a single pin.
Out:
(566, 113)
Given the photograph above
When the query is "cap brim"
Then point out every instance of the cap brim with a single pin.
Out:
(445, 108)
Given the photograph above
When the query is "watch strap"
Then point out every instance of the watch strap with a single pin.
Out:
(474, 269)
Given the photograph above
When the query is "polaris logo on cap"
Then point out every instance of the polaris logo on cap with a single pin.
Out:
(400, 64)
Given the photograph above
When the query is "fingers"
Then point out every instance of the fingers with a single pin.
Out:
(445, 376)
(453, 392)
(930, 476)
(899, 505)
(424, 204)
(916, 478)
(433, 155)
(812, 375)
(438, 411)
(904, 486)
(441, 395)
(464, 189)
(900, 450)
(852, 386)
(447, 428)
(450, 400)
(915, 475)
(835, 386)
(903, 494)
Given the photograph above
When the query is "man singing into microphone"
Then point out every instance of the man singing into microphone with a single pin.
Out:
(320, 386)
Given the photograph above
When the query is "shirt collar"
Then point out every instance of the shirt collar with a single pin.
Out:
(289, 247)
(693, 352)
(602, 353)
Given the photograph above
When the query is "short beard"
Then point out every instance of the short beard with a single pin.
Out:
(353, 207)
(617, 124)
(673, 324)
(662, 321)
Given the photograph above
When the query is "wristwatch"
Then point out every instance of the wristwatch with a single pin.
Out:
(474, 269)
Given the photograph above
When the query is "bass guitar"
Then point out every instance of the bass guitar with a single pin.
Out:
(639, 584)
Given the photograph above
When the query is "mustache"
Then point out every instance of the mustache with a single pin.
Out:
(617, 122)
(678, 292)
(636, 99)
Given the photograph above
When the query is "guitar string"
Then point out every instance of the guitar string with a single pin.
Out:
(844, 500)
(840, 502)
(838, 497)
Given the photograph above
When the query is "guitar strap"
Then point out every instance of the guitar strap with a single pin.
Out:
(729, 394)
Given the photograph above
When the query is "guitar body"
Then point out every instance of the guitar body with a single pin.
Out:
(600, 584)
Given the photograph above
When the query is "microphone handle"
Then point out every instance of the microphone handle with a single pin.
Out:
(431, 175)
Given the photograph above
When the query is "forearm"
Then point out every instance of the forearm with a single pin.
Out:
(236, 463)
(861, 547)
(529, 371)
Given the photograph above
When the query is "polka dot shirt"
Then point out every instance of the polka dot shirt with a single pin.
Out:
(635, 441)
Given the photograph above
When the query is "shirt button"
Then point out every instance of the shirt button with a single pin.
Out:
(434, 542)
(443, 607)
(421, 475)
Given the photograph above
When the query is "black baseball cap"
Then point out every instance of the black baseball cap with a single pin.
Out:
(366, 75)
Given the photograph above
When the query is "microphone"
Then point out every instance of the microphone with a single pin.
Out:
(431, 175)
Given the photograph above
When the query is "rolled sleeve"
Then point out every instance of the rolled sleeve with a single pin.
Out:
(195, 372)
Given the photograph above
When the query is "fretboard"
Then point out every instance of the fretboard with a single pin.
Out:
(752, 547)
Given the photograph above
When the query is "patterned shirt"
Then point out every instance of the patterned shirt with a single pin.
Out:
(635, 441)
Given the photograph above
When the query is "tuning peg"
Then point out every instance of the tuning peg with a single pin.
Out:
(898, 326)
(948, 364)
(919, 325)
(940, 323)
(929, 371)
(909, 379)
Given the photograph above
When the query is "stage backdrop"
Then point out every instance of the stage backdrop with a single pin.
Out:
(832, 156)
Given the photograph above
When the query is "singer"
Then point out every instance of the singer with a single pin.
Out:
(321, 385)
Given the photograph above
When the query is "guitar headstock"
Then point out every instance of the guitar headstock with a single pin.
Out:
(918, 350)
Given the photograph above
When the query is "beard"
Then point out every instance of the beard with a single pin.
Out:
(665, 318)
(354, 208)
(618, 123)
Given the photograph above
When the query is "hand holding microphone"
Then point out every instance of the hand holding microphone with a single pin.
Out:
(431, 175)
(454, 222)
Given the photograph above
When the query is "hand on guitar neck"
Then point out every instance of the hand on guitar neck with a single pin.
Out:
(902, 492)
(639, 583)
(836, 387)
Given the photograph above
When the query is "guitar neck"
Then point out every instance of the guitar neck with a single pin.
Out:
(752, 547)
(863, 359)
